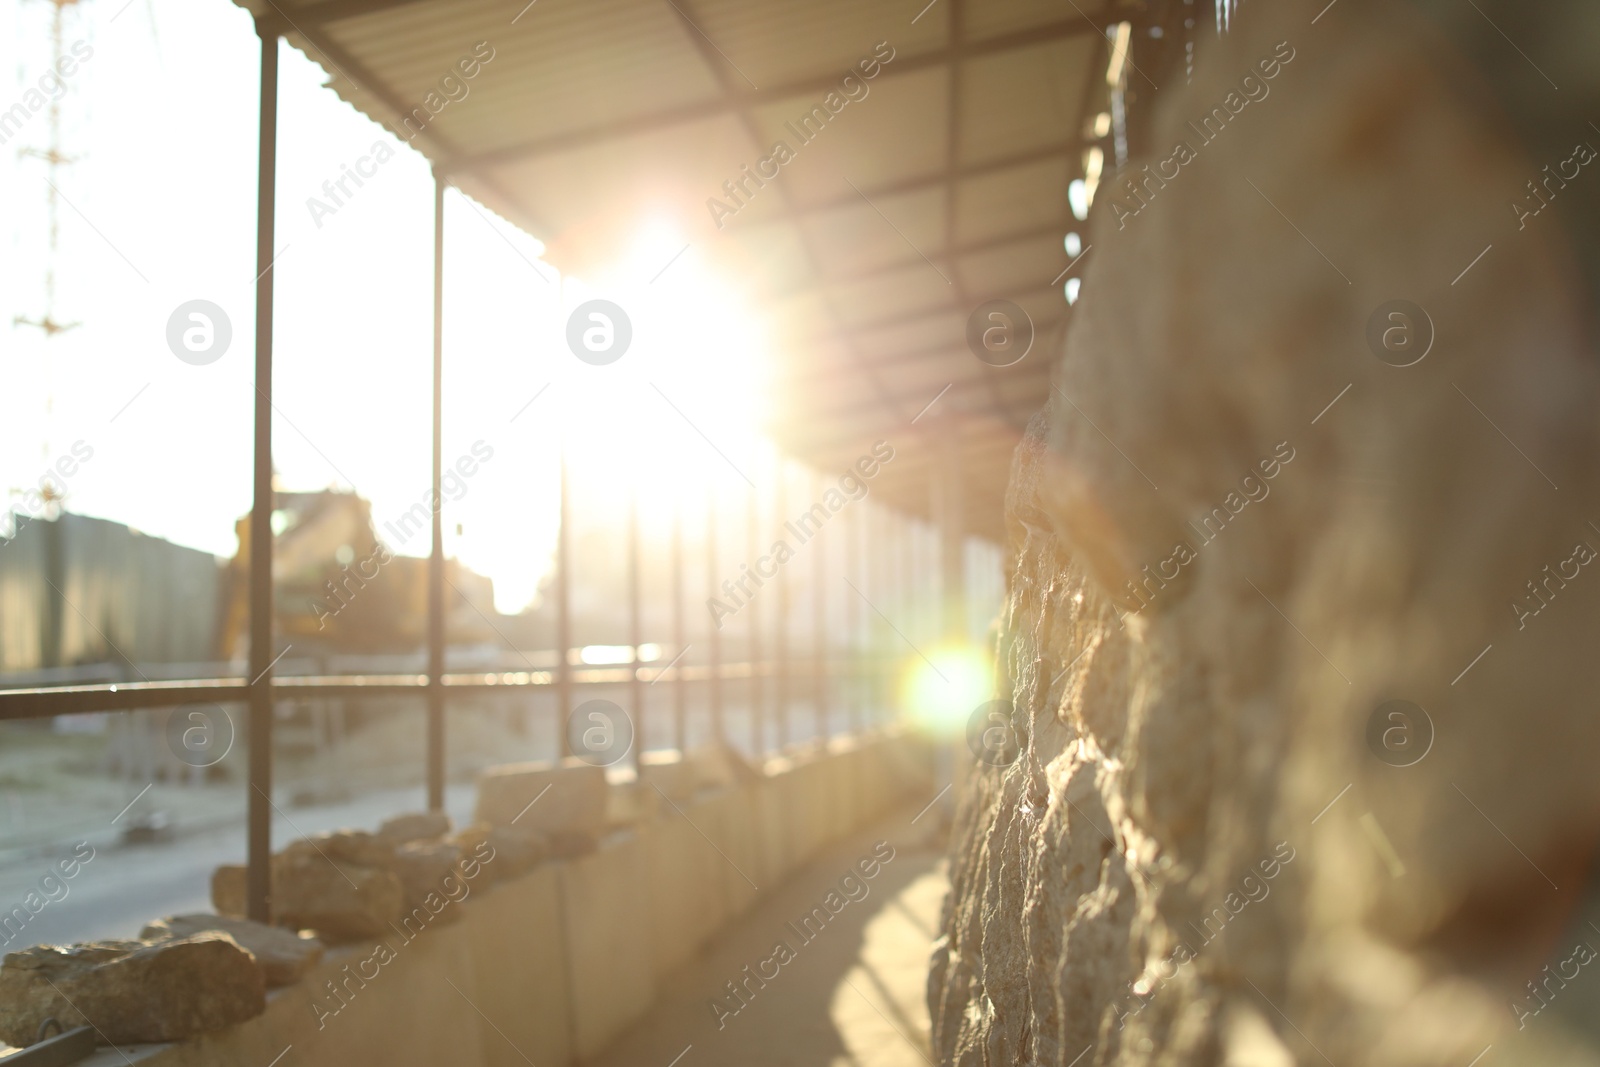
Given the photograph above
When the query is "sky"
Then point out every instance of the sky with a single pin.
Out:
(158, 209)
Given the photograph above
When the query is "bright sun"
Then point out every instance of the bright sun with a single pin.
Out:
(692, 382)
(679, 411)
(942, 691)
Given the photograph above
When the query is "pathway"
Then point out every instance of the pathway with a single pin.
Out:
(854, 994)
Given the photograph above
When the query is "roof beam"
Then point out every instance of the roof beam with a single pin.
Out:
(827, 372)
(732, 100)
(945, 255)
(338, 10)
(717, 65)
(858, 414)
(925, 313)
(1014, 161)
(952, 163)
(340, 63)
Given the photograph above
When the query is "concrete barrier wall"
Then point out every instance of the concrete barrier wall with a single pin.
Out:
(605, 909)
(553, 966)
(519, 947)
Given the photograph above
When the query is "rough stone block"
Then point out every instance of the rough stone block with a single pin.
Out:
(409, 1012)
(228, 890)
(422, 867)
(342, 846)
(129, 991)
(341, 901)
(569, 798)
(417, 826)
(512, 850)
(283, 955)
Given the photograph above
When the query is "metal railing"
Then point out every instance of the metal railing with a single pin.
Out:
(782, 676)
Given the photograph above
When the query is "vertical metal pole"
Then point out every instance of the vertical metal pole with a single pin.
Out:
(258, 878)
(757, 710)
(717, 726)
(852, 615)
(895, 552)
(819, 643)
(905, 568)
(925, 572)
(882, 550)
(883, 553)
(873, 584)
(635, 628)
(948, 508)
(680, 707)
(924, 578)
(564, 612)
(879, 545)
(52, 637)
(901, 562)
(436, 556)
(780, 635)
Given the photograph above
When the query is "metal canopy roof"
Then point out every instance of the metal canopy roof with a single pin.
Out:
(946, 185)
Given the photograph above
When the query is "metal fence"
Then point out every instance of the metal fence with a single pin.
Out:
(775, 676)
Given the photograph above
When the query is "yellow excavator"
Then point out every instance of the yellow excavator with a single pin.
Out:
(340, 590)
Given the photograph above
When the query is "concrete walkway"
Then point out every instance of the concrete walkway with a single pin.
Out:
(853, 994)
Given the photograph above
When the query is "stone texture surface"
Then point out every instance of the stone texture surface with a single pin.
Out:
(569, 798)
(511, 849)
(417, 826)
(1110, 897)
(129, 991)
(228, 890)
(422, 867)
(283, 955)
(346, 846)
(339, 899)
(345, 885)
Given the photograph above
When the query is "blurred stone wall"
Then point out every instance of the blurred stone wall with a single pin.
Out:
(1301, 628)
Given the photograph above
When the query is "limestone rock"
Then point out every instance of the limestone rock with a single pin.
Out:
(341, 884)
(341, 900)
(501, 852)
(228, 890)
(344, 846)
(417, 826)
(130, 991)
(423, 866)
(284, 956)
(569, 798)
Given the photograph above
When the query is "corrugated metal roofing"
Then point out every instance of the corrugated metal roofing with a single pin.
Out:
(944, 186)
